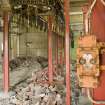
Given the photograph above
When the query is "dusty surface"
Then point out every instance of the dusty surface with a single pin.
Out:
(20, 74)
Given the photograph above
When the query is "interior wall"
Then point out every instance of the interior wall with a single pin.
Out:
(33, 44)
(31, 41)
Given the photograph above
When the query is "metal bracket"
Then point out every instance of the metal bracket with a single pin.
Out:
(101, 45)
(102, 67)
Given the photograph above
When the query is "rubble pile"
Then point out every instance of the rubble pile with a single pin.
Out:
(37, 94)
(75, 91)
(29, 62)
(33, 90)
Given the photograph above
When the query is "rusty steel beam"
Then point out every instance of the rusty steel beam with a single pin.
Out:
(67, 50)
(6, 52)
(50, 66)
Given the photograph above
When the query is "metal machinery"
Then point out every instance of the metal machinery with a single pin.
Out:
(88, 63)
(21, 5)
(90, 53)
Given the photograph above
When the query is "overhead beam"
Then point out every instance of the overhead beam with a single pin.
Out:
(73, 1)
(76, 13)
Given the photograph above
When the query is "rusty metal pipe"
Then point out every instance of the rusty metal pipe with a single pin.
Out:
(67, 50)
(88, 16)
(6, 52)
(103, 2)
(92, 100)
(50, 66)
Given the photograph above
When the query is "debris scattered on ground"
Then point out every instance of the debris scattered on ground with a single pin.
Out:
(38, 94)
(32, 91)
(29, 62)
(75, 91)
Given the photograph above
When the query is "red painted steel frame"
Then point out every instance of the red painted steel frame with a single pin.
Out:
(58, 49)
(50, 66)
(56, 53)
(98, 28)
(61, 53)
(67, 50)
(6, 52)
(63, 44)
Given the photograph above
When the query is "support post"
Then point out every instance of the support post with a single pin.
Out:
(6, 52)
(50, 66)
(63, 44)
(98, 29)
(58, 49)
(67, 50)
(56, 53)
(61, 53)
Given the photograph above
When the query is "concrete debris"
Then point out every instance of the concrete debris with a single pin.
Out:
(75, 91)
(43, 61)
(38, 94)
(35, 66)
(28, 62)
(32, 91)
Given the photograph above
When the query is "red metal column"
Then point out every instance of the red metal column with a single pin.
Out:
(63, 44)
(6, 52)
(61, 53)
(56, 56)
(58, 49)
(67, 50)
(50, 66)
(98, 28)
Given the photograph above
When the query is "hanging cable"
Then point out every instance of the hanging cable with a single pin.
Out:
(88, 16)
(103, 2)
(91, 8)
(92, 100)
